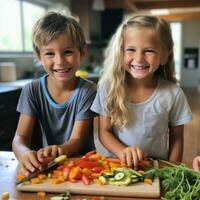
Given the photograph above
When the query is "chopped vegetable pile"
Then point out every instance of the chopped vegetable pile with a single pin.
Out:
(93, 168)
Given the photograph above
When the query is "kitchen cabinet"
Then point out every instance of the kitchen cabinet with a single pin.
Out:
(9, 96)
(8, 116)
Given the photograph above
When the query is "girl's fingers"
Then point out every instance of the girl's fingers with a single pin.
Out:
(129, 158)
(139, 154)
(135, 158)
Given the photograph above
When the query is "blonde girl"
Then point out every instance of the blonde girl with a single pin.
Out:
(142, 110)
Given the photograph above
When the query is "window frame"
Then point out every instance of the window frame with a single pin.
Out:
(23, 52)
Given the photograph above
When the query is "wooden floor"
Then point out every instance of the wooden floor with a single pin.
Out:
(192, 129)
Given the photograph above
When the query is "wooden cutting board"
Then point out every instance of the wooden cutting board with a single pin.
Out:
(135, 190)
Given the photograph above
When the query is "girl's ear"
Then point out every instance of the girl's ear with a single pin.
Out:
(166, 57)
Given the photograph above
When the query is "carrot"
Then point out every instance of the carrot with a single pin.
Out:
(148, 181)
(41, 194)
(35, 180)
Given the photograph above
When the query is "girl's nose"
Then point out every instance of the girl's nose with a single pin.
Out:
(138, 56)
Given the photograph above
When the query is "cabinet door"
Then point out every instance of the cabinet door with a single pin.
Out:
(7, 132)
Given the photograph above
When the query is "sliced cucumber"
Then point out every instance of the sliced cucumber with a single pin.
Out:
(107, 175)
(59, 198)
(135, 172)
(134, 176)
(134, 180)
(119, 176)
(125, 181)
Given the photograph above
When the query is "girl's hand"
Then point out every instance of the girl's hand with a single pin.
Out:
(132, 156)
(196, 163)
(28, 163)
(51, 151)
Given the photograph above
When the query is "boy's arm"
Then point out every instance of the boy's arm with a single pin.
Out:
(176, 143)
(22, 139)
(77, 138)
(27, 158)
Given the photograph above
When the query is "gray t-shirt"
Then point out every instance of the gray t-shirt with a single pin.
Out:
(57, 120)
(149, 120)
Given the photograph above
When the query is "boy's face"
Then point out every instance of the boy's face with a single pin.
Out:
(61, 58)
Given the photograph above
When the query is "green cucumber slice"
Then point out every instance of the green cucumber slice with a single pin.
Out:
(119, 176)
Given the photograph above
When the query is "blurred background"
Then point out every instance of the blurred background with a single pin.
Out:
(99, 20)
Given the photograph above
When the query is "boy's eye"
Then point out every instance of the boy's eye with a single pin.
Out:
(49, 54)
(68, 52)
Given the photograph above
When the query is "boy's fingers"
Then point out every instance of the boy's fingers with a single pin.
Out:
(54, 151)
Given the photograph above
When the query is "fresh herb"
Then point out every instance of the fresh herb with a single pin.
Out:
(179, 182)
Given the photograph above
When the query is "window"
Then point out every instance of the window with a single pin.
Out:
(176, 35)
(16, 20)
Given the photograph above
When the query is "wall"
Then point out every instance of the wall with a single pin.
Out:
(190, 38)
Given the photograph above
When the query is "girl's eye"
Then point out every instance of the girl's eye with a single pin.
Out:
(130, 50)
(150, 51)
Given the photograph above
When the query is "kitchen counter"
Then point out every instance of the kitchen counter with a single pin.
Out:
(8, 164)
(7, 86)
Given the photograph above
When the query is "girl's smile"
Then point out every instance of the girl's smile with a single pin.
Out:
(142, 52)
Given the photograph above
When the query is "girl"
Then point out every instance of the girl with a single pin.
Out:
(142, 110)
(59, 100)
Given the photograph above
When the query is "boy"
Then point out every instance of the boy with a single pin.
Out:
(59, 100)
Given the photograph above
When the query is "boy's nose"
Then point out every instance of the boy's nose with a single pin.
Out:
(60, 59)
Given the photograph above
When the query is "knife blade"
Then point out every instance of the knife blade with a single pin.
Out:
(53, 164)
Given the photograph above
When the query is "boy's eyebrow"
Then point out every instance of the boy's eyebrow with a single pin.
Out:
(50, 49)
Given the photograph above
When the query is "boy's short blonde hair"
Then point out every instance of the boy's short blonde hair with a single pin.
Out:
(51, 25)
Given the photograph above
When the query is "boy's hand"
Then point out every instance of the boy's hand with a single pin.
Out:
(51, 151)
(196, 163)
(28, 163)
(132, 156)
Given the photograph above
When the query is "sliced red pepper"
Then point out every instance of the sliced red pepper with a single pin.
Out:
(95, 198)
(87, 164)
(88, 154)
(85, 179)
(98, 169)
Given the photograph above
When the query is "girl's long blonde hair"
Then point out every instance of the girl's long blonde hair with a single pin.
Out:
(114, 75)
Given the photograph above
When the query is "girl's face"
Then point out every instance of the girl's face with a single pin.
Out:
(60, 58)
(143, 52)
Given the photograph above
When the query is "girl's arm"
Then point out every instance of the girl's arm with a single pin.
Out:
(77, 138)
(130, 155)
(21, 145)
(176, 143)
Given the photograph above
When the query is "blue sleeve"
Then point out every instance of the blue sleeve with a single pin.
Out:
(85, 103)
(26, 103)
(180, 112)
(99, 103)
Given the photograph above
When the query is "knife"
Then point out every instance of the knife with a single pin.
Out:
(53, 164)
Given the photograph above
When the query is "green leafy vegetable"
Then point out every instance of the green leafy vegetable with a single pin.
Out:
(179, 182)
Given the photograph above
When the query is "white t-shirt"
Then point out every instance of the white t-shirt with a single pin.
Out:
(149, 120)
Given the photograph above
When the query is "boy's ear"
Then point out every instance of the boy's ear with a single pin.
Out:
(84, 53)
